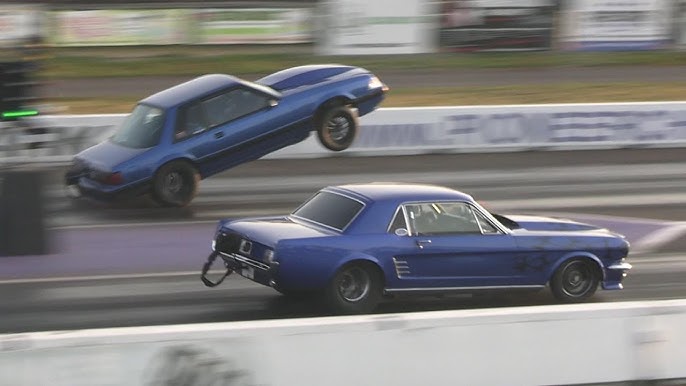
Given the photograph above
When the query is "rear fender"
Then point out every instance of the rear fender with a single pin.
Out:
(357, 258)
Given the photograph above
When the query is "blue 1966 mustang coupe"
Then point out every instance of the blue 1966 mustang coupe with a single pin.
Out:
(191, 131)
(353, 244)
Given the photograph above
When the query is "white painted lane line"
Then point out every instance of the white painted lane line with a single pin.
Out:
(138, 224)
(496, 177)
(600, 217)
(591, 201)
(660, 237)
(514, 206)
(101, 277)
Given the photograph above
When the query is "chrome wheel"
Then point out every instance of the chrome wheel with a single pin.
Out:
(577, 279)
(173, 182)
(354, 284)
(338, 128)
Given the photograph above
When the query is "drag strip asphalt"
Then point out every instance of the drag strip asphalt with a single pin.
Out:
(138, 264)
(181, 247)
(181, 299)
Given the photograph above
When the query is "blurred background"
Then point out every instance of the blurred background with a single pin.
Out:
(70, 68)
(100, 56)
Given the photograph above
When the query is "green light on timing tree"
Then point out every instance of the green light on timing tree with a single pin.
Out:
(19, 114)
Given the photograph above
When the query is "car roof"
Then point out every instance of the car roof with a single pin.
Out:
(398, 192)
(192, 89)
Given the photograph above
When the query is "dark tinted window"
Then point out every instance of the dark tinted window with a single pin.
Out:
(233, 104)
(141, 129)
(330, 209)
(191, 121)
(442, 218)
(398, 221)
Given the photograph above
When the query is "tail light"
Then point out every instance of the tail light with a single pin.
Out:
(113, 178)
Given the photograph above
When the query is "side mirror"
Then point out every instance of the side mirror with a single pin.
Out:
(401, 232)
(273, 102)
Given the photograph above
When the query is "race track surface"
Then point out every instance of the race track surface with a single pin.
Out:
(137, 264)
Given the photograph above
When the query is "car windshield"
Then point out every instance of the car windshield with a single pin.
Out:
(330, 209)
(141, 129)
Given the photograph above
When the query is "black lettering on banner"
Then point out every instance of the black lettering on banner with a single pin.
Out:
(395, 135)
(502, 129)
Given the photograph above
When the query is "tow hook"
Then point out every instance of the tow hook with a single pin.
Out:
(206, 268)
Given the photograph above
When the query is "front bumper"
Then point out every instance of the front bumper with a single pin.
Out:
(615, 274)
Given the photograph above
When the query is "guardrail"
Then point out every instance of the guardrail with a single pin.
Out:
(393, 131)
(589, 343)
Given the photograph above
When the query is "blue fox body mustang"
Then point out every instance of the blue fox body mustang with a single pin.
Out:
(173, 139)
(353, 244)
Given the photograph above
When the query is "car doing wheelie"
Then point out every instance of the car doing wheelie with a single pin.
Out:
(351, 245)
(179, 136)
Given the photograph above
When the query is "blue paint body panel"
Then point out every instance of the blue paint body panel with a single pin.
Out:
(296, 93)
(523, 254)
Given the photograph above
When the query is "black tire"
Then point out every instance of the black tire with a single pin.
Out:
(575, 280)
(175, 184)
(355, 289)
(337, 127)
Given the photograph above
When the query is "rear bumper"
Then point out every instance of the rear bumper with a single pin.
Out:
(251, 269)
(96, 191)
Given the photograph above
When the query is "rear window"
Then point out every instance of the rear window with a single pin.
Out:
(330, 209)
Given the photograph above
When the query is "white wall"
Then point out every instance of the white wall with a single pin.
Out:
(516, 346)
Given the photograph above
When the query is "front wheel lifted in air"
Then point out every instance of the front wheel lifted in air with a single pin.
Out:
(337, 127)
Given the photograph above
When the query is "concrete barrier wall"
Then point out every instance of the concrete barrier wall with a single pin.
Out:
(589, 343)
(392, 131)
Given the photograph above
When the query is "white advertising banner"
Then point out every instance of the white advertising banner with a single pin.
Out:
(18, 23)
(117, 27)
(393, 131)
(606, 25)
(602, 343)
(379, 27)
(251, 26)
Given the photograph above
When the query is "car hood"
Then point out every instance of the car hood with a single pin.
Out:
(541, 223)
(270, 230)
(305, 75)
(106, 155)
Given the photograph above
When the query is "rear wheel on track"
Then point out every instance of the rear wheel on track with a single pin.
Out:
(355, 289)
(175, 184)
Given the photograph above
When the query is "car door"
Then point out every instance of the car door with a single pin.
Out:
(454, 245)
(241, 121)
(191, 132)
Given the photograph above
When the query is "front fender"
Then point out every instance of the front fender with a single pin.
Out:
(571, 255)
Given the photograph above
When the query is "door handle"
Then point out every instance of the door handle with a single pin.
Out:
(218, 134)
(422, 243)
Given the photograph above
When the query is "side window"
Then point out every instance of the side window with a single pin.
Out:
(398, 221)
(486, 226)
(442, 218)
(191, 121)
(233, 104)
